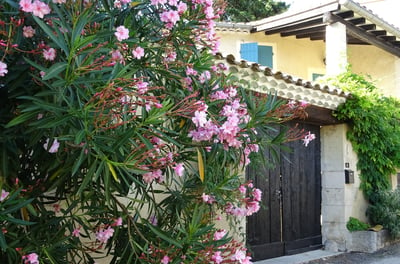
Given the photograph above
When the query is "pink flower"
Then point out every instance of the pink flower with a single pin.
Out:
(59, 1)
(153, 175)
(308, 138)
(49, 54)
(54, 147)
(190, 71)
(32, 258)
(219, 234)
(252, 207)
(40, 9)
(216, 257)
(116, 56)
(3, 195)
(155, 2)
(138, 53)
(242, 189)
(200, 118)
(165, 260)
(28, 31)
(179, 169)
(257, 194)
(26, 5)
(207, 198)
(239, 255)
(122, 33)
(170, 16)
(104, 234)
(182, 7)
(205, 76)
(76, 232)
(142, 87)
(3, 69)
(118, 221)
(173, 2)
(118, 4)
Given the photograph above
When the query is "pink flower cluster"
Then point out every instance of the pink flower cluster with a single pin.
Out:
(227, 131)
(37, 8)
(206, 31)
(248, 204)
(106, 233)
(31, 258)
(171, 15)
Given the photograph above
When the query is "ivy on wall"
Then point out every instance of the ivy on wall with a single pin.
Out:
(374, 130)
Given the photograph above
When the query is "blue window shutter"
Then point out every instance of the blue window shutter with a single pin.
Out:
(249, 51)
(265, 56)
(316, 76)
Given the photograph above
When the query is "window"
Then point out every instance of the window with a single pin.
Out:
(316, 76)
(256, 53)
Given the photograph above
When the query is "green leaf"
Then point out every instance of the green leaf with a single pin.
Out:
(17, 206)
(163, 235)
(54, 70)
(21, 119)
(3, 243)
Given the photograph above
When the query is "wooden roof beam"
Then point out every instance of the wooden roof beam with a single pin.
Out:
(368, 26)
(294, 26)
(303, 31)
(312, 36)
(345, 14)
(356, 20)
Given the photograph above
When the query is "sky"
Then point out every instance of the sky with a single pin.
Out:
(386, 9)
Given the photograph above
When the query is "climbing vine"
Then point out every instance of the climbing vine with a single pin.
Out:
(374, 130)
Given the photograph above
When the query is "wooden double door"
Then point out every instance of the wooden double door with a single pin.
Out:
(290, 220)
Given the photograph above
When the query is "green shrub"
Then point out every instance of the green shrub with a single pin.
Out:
(385, 210)
(355, 224)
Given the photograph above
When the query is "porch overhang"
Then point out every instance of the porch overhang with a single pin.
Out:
(363, 27)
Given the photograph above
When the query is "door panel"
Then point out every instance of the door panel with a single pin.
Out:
(291, 211)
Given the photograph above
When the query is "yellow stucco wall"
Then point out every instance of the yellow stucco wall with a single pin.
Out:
(302, 57)
(380, 65)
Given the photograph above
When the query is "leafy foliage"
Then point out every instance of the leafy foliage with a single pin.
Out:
(355, 224)
(374, 131)
(386, 211)
(246, 11)
(121, 136)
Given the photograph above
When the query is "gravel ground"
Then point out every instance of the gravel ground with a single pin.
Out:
(387, 255)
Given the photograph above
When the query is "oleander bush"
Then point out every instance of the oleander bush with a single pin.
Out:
(120, 136)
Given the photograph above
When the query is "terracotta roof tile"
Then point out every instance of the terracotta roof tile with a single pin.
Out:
(265, 80)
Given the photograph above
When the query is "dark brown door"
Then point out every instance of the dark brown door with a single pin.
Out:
(289, 221)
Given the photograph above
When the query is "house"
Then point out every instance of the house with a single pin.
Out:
(310, 199)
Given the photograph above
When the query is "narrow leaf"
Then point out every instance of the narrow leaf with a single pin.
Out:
(200, 164)
(113, 173)
(21, 119)
(55, 70)
(164, 236)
